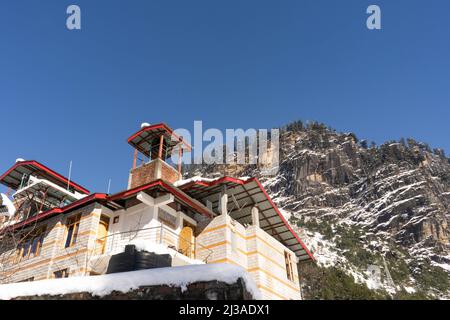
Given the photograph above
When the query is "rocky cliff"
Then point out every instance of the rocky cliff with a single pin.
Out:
(377, 213)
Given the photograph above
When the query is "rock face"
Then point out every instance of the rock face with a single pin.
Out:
(392, 201)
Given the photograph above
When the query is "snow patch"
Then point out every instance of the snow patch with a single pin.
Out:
(8, 204)
(127, 281)
(145, 245)
(193, 179)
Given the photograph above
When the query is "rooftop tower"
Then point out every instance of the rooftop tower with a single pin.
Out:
(153, 148)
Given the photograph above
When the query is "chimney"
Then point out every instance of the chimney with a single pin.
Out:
(255, 216)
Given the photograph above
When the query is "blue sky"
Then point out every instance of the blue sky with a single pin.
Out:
(77, 95)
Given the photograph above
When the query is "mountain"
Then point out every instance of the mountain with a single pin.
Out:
(375, 217)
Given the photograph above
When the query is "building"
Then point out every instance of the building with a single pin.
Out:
(60, 229)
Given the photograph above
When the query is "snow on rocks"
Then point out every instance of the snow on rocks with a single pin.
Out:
(324, 251)
(127, 281)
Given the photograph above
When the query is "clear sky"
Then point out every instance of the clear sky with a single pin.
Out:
(77, 95)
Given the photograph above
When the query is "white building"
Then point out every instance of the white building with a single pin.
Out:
(62, 230)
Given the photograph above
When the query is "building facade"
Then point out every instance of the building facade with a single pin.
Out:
(60, 229)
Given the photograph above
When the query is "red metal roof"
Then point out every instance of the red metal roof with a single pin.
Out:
(12, 177)
(144, 138)
(244, 194)
(111, 202)
(183, 197)
(47, 214)
(240, 191)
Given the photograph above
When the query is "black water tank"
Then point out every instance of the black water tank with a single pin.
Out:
(132, 259)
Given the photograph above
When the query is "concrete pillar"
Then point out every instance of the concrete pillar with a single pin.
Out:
(179, 221)
(158, 168)
(223, 204)
(155, 210)
(255, 216)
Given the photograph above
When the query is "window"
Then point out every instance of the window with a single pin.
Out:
(73, 225)
(102, 235)
(28, 280)
(166, 218)
(289, 266)
(31, 245)
(64, 273)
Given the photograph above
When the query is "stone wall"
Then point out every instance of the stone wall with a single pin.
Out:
(148, 172)
(211, 290)
(142, 175)
(53, 255)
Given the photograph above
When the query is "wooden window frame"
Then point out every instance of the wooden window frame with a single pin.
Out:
(25, 249)
(73, 221)
(289, 266)
(64, 273)
(166, 222)
(31, 279)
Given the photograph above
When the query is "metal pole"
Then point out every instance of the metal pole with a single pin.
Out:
(161, 143)
(135, 158)
(180, 156)
(70, 175)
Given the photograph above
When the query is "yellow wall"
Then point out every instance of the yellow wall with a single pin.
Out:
(227, 241)
(53, 255)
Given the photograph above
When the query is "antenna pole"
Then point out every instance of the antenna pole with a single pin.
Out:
(70, 175)
(109, 185)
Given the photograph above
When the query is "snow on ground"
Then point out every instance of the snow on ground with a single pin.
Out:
(322, 249)
(327, 255)
(444, 266)
(286, 214)
(410, 289)
(127, 281)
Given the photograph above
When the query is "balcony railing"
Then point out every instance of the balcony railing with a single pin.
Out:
(116, 242)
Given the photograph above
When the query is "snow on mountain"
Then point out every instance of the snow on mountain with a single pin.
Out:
(380, 213)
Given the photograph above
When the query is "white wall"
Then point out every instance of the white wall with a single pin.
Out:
(145, 217)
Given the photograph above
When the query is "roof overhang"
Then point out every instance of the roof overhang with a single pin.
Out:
(96, 197)
(165, 187)
(119, 201)
(13, 177)
(243, 195)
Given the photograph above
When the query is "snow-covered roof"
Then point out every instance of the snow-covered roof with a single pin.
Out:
(180, 183)
(127, 281)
